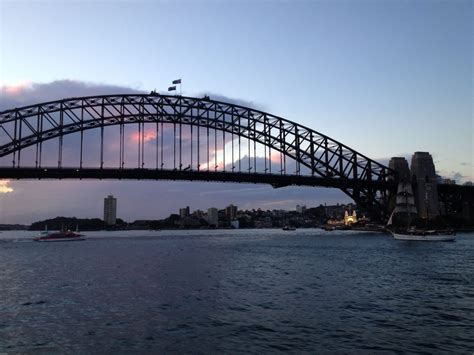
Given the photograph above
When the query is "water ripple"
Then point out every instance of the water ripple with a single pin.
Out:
(236, 292)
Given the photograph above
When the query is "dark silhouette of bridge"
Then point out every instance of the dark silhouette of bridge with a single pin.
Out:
(181, 138)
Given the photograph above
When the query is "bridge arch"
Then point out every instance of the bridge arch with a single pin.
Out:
(328, 161)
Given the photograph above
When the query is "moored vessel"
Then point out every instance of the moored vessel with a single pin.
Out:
(425, 235)
(405, 206)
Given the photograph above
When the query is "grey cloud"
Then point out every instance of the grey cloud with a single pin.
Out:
(235, 101)
(59, 89)
(458, 176)
(43, 92)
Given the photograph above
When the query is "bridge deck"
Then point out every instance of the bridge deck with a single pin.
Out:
(190, 175)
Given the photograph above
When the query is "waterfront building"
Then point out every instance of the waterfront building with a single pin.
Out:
(350, 218)
(184, 212)
(337, 212)
(213, 217)
(347, 220)
(234, 224)
(231, 212)
(110, 210)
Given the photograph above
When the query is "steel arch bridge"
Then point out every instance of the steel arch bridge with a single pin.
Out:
(180, 138)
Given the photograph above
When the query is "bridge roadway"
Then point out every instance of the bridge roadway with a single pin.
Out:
(276, 180)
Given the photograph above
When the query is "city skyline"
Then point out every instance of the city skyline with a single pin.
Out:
(393, 80)
(230, 212)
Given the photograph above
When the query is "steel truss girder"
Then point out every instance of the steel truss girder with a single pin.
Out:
(324, 156)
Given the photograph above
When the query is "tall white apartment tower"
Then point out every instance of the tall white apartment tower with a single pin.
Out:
(110, 210)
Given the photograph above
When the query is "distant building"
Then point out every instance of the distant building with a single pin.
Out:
(231, 212)
(346, 220)
(449, 182)
(350, 218)
(234, 224)
(337, 212)
(110, 210)
(213, 217)
(198, 214)
(300, 209)
(184, 212)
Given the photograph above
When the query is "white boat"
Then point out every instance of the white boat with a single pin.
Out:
(426, 236)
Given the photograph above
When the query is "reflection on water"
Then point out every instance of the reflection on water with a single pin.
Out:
(230, 291)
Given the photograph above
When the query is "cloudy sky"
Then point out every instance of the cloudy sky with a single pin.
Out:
(387, 78)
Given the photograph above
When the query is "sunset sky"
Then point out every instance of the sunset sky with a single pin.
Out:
(386, 78)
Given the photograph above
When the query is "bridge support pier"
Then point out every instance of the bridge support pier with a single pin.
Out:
(400, 166)
(426, 192)
(422, 177)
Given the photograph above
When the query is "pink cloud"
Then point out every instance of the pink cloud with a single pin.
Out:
(149, 135)
(4, 187)
(14, 90)
(276, 156)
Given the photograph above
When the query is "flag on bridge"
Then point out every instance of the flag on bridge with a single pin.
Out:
(177, 81)
(172, 88)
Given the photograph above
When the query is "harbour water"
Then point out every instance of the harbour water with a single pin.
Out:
(236, 291)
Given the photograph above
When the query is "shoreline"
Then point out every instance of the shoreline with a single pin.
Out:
(360, 229)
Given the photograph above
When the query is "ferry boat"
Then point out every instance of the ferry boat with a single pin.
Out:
(61, 236)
